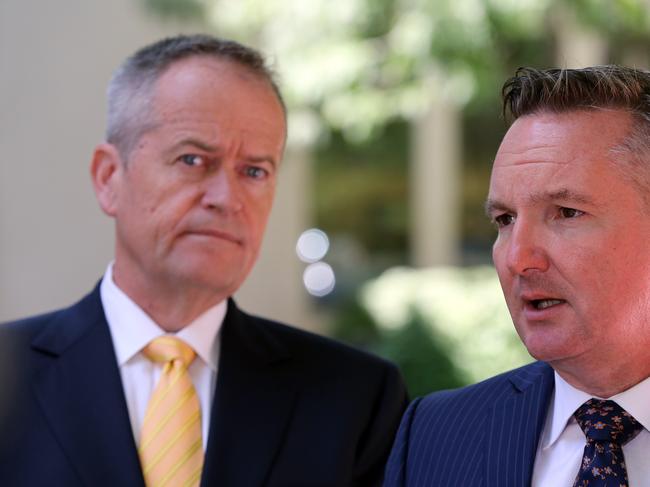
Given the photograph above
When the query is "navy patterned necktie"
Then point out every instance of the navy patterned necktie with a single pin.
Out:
(607, 427)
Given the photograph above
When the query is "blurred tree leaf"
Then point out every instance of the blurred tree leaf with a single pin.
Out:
(180, 9)
(423, 360)
(463, 309)
(357, 65)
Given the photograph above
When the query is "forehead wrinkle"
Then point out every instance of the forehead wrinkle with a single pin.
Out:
(532, 161)
(562, 194)
(522, 152)
(539, 155)
(523, 148)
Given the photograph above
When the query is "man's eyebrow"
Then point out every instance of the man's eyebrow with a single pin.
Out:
(563, 194)
(257, 159)
(492, 206)
(199, 144)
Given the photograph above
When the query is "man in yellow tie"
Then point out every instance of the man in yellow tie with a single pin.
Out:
(156, 378)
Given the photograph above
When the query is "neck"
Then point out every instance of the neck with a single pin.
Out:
(605, 381)
(172, 307)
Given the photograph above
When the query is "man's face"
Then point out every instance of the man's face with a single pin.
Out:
(192, 201)
(572, 253)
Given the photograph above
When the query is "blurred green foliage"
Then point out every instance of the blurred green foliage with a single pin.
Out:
(355, 66)
(362, 190)
(444, 327)
(417, 350)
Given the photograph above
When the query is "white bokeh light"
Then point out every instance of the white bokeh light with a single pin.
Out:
(319, 279)
(312, 245)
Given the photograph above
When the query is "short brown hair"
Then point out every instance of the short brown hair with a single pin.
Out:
(611, 87)
(533, 90)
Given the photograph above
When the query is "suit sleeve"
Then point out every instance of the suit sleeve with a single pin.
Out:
(390, 403)
(396, 467)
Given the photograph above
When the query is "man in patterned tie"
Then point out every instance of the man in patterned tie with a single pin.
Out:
(156, 378)
(570, 198)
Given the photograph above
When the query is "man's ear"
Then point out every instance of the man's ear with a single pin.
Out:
(106, 172)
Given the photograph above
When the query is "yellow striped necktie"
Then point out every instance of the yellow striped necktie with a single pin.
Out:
(171, 449)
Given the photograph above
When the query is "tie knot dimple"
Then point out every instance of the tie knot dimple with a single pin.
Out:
(168, 348)
(604, 420)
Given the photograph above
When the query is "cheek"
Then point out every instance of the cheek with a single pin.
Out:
(261, 197)
(601, 285)
(259, 206)
(152, 209)
(258, 225)
(171, 203)
(601, 264)
(504, 275)
(498, 258)
(157, 217)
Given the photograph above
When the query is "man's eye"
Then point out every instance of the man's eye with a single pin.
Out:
(192, 160)
(504, 220)
(256, 172)
(570, 213)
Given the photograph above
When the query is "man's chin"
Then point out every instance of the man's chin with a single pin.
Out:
(209, 277)
(549, 347)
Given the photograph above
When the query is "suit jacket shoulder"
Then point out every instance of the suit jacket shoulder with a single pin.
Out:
(310, 410)
(476, 397)
(484, 434)
(27, 344)
(67, 412)
(323, 356)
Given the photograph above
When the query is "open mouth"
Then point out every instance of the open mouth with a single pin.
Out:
(540, 304)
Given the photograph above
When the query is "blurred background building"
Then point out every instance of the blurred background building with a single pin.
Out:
(378, 234)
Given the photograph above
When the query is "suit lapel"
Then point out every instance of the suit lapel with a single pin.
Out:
(80, 392)
(254, 398)
(515, 427)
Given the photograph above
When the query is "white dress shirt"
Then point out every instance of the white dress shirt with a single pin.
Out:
(562, 443)
(132, 329)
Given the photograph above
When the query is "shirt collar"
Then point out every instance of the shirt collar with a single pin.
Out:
(566, 399)
(132, 329)
(635, 401)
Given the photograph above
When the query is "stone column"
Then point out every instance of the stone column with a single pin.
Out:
(435, 186)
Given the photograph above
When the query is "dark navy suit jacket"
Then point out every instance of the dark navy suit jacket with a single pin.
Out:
(290, 408)
(484, 435)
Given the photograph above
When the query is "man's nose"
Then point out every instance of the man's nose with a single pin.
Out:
(222, 191)
(525, 250)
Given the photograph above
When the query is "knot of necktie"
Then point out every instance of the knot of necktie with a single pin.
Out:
(605, 421)
(167, 349)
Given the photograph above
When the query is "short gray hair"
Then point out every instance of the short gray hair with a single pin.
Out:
(131, 88)
(533, 91)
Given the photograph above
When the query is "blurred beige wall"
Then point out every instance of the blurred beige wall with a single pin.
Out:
(55, 62)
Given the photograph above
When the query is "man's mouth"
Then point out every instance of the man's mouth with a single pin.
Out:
(540, 304)
(215, 234)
